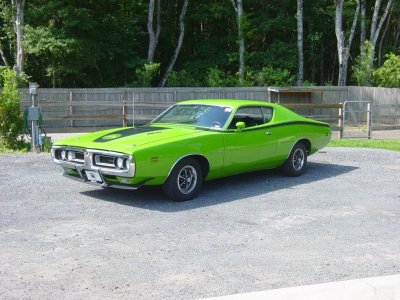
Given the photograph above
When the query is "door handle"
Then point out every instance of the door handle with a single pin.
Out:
(268, 133)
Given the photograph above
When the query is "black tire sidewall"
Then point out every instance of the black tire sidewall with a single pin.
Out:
(170, 186)
(288, 168)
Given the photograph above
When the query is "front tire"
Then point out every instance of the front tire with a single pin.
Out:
(185, 180)
(296, 163)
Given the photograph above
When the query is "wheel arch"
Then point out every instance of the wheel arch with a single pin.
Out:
(306, 142)
(201, 159)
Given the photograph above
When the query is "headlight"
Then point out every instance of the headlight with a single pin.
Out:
(120, 163)
(63, 154)
(127, 164)
(71, 155)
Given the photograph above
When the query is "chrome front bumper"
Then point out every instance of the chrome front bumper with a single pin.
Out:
(88, 164)
(103, 184)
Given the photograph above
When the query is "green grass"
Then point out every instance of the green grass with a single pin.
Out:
(365, 143)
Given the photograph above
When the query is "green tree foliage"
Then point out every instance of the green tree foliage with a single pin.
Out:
(146, 74)
(181, 78)
(92, 43)
(362, 69)
(10, 114)
(388, 75)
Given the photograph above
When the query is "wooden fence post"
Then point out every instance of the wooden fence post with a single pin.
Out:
(369, 119)
(340, 122)
(124, 109)
(71, 109)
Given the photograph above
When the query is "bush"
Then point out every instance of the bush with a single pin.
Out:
(362, 69)
(388, 75)
(146, 74)
(11, 126)
(216, 77)
(181, 79)
(269, 76)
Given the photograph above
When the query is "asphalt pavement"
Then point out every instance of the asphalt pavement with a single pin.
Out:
(64, 239)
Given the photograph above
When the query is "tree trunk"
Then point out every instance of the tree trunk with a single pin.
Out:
(3, 56)
(340, 41)
(397, 34)
(363, 29)
(19, 31)
(343, 47)
(376, 28)
(238, 6)
(179, 45)
(383, 37)
(374, 20)
(153, 35)
(300, 71)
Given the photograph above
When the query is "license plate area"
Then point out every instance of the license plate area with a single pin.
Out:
(93, 176)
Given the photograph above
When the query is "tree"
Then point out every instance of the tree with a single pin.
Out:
(178, 46)
(300, 72)
(343, 47)
(363, 33)
(238, 6)
(19, 6)
(376, 26)
(153, 34)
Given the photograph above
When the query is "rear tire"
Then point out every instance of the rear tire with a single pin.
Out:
(185, 180)
(296, 163)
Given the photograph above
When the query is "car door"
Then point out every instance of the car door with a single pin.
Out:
(253, 147)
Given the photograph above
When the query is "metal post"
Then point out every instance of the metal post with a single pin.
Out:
(33, 116)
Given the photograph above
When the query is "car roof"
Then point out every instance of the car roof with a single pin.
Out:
(234, 103)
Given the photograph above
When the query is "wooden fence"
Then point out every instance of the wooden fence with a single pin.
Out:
(109, 107)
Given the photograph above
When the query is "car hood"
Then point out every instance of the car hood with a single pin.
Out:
(126, 139)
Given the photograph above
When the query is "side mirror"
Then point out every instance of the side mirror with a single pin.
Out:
(240, 126)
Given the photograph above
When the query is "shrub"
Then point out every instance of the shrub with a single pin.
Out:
(11, 126)
(269, 76)
(388, 75)
(362, 69)
(146, 74)
(181, 79)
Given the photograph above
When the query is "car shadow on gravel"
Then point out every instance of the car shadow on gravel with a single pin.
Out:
(222, 190)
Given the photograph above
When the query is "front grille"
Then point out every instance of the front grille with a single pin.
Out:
(104, 161)
(70, 155)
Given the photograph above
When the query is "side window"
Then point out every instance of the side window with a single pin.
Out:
(267, 114)
(251, 116)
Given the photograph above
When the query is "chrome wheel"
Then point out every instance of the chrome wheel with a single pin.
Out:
(187, 179)
(298, 159)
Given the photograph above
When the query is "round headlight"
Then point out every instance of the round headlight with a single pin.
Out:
(120, 163)
(71, 155)
(127, 164)
(63, 154)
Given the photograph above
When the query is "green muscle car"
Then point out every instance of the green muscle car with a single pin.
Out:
(194, 141)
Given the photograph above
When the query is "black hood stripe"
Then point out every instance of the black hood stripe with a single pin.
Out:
(119, 134)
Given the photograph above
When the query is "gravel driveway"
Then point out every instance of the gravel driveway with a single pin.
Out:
(64, 239)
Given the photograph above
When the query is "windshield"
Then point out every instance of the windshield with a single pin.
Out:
(196, 115)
